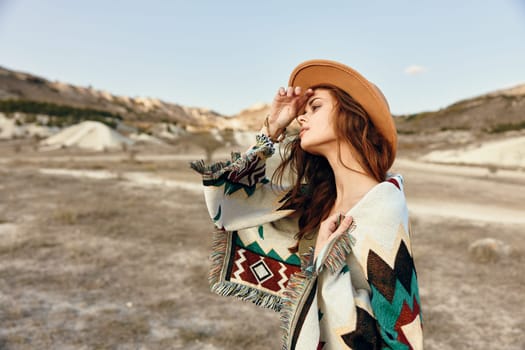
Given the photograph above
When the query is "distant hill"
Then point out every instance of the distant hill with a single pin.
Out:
(26, 89)
(250, 118)
(494, 112)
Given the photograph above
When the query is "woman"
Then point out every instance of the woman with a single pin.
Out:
(332, 251)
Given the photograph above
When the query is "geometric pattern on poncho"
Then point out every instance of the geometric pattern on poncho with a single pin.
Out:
(239, 174)
(395, 289)
(366, 333)
(253, 267)
(259, 245)
(394, 297)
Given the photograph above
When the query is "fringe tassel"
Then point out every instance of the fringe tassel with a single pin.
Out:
(263, 149)
(340, 250)
(226, 288)
(212, 171)
(298, 285)
(216, 170)
(294, 290)
(258, 297)
(219, 246)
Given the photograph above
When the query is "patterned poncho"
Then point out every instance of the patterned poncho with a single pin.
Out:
(361, 292)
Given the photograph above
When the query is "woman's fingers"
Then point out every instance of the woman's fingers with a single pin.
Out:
(342, 223)
(296, 91)
(332, 224)
(331, 228)
(345, 223)
(287, 103)
(303, 98)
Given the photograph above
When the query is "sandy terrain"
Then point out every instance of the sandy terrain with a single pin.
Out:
(509, 152)
(110, 252)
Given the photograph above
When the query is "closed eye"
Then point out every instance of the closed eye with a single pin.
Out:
(311, 104)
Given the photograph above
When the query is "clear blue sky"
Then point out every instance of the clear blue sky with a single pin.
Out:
(227, 55)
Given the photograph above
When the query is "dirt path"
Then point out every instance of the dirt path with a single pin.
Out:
(468, 193)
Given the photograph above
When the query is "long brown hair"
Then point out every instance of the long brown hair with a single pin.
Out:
(313, 191)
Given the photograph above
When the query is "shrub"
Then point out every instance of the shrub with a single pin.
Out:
(60, 115)
(498, 128)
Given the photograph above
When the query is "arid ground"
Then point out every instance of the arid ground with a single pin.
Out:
(109, 251)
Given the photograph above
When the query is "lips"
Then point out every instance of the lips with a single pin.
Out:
(303, 130)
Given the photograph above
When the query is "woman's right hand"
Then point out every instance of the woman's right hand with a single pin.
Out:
(285, 106)
(331, 228)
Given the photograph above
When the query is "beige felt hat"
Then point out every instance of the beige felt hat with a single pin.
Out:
(317, 72)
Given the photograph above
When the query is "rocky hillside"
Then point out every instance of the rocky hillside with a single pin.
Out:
(495, 112)
(23, 90)
(250, 118)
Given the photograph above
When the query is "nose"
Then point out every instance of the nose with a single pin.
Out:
(301, 118)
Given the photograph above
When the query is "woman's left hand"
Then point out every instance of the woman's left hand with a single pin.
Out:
(329, 230)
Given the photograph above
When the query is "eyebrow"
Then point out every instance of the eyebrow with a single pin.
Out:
(312, 101)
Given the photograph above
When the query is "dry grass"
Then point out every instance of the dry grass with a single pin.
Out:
(100, 264)
(468, 305)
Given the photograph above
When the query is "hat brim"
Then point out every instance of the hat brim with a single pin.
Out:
(318, 72)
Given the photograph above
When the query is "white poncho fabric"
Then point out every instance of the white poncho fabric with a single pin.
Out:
(360, 293)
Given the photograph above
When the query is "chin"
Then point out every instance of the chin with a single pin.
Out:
(309, 148)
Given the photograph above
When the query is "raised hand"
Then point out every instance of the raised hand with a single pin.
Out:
(285, 107)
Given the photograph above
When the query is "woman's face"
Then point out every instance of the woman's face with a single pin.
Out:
(317, 123)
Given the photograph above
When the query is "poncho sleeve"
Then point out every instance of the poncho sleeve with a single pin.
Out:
(237, 192)
(250, 256)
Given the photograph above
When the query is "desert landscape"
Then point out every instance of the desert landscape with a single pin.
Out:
(104, 252)
(108, 248)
